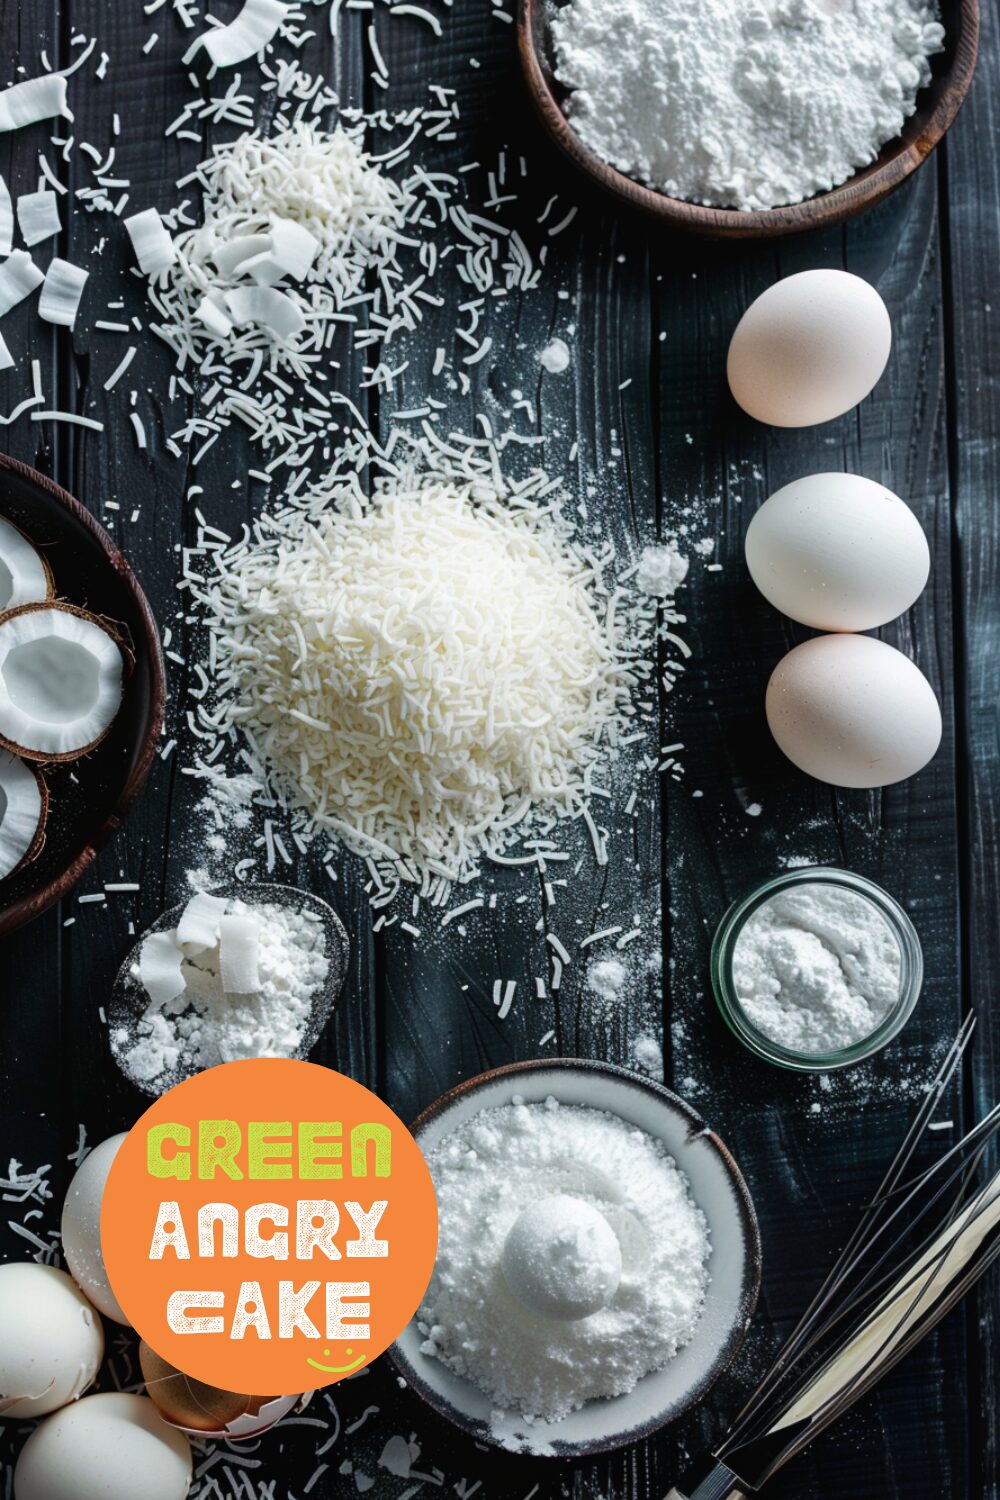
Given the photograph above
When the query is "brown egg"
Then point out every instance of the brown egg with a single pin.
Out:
(191, 1403)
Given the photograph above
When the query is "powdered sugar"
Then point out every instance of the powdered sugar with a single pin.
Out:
(817, 967)
(743, 103)
(485, 1173)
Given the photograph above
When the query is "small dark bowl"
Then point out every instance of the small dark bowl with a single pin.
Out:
(937, 106)
(735, 1267)
(88, 570)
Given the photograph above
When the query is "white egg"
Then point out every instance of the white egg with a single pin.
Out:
(51, 1340)
(110, 1447)
(837, 552)
(81, 1228)
(810, 347)
(850, 710)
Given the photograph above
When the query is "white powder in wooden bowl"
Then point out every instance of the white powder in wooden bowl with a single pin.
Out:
(570, 1212)
(743, 103)
(817, 967)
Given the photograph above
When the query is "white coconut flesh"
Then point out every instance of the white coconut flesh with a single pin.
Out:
(24, 578)
(22, 812)
(61, 677)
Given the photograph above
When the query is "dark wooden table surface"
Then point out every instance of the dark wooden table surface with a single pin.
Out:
(656, 312)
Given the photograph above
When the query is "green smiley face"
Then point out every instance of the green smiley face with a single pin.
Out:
(337, 1369)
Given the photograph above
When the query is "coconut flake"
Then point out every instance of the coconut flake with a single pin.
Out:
(6, 219)
(7, 360)
(161, 971)
(33, 100)
(263, 305)
(151, 241)
(231, 256)
(214, 318)
(238, 938)
(19, 276)
(38, 216)
(291, 253)
(198, 927)
(245, 36)
(60, 297)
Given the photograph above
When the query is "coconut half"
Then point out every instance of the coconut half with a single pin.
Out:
(24, 807)
(62, 674)
(25, 576)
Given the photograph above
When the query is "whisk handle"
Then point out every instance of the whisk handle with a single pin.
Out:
(713, 1481)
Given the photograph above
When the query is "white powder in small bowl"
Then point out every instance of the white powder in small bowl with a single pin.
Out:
(522, 1157)
(817, 968)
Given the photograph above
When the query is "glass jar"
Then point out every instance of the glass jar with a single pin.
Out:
(911, 972)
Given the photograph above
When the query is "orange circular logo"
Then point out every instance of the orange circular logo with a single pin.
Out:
(269, 1226)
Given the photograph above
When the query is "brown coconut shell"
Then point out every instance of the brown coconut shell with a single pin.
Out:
(111, 628)
(191, 1403)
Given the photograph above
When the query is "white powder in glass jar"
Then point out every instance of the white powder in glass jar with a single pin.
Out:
(743, 103)
(571, 1261)
(817, 967)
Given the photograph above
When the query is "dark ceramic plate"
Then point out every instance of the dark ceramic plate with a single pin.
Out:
(88, 798)
(937, 106)
(735, 1266)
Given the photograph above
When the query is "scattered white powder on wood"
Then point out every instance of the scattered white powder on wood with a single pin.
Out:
(205, 1024)
(606, 978)
(419, 670)
(555, 357)
(743, 105)
(661, 570)
(817, 967)
(489, 1170)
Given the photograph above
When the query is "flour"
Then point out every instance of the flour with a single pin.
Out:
(555, 356)
(743, 103)
(494, 1176)
(206, 1024)
(817, 967)
(661, 570)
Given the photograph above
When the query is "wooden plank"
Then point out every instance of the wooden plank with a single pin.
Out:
(969, 175)
(797, 1138)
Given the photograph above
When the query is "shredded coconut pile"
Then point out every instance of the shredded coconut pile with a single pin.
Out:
(743, 103)
(485, 1173)
(204, 1022)
(419, 670)
(293, 223)
(817, 968)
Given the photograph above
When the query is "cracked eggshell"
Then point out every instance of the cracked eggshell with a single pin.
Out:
(107, 1447)
(62, 675)
(809, 348)
(51, 1340)
(206, 1410)
(25, 576)
(81, 1228)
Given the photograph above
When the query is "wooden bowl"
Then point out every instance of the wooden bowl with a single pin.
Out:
(716, 1186)
(89, 797)
(937, 106)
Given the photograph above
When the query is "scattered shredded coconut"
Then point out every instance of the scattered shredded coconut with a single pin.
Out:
(817, 967)
(742, 105)
(576, 1212)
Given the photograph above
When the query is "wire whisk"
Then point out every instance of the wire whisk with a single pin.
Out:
(922, 1242)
